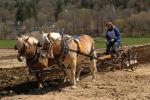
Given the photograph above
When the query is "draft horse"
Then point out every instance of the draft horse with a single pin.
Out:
(27, 48)
(71, 54)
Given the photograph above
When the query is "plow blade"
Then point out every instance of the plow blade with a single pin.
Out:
(105, 57)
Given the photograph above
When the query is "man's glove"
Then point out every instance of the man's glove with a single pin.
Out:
(112, 40)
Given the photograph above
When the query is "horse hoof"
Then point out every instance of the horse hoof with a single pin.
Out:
(38, 90)
(40, 86)
(93, 80)
(77, 80)
(73, 87)
(65, 80)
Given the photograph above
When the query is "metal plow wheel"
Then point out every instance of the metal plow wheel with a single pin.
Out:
(129, 59)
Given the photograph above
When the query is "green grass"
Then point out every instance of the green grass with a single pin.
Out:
(99, 41)
(7, 43)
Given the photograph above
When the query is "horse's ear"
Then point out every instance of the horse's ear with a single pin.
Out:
(17, 38)
(42, 32)
(26, 39)
(48, 34)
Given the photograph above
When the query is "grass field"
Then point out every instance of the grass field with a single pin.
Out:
(99, 41)
(7, 43)
(125, 41)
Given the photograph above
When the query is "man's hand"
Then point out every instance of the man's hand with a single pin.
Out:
(112, 40)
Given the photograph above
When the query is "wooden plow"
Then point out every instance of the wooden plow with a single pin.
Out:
(123, 58)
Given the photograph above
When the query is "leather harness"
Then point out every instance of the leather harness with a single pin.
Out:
(61, 56)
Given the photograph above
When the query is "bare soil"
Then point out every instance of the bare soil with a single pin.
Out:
(8, 59)
(17, 84)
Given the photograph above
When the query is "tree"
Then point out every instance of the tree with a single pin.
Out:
(23, 10)
(86, 4)
(59, 8)
(34, 5)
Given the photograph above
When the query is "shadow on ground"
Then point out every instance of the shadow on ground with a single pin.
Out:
(17, 81)
(30, 87)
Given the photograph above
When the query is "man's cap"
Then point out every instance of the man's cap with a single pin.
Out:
(109, 23)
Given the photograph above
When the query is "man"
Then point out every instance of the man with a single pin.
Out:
(112, 37)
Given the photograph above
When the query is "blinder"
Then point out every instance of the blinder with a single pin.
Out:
(22, 50)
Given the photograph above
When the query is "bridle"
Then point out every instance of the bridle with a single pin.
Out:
(63, 46)
(50, 47)
(24, 50)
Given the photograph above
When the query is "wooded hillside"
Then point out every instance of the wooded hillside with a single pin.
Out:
(74, 16)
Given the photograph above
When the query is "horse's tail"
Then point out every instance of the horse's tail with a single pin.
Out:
(93, 49)
(93, 56)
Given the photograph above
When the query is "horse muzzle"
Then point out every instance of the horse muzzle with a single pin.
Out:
(19, 58)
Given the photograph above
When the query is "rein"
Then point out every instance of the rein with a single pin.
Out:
(65, 49)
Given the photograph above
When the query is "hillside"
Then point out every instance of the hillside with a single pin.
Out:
(74, 16)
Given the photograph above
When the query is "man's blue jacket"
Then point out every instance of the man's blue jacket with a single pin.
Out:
(116, 35)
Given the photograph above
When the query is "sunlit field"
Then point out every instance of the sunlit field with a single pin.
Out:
(99, 41)
(7, 43)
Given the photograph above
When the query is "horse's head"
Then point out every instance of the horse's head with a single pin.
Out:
(46, 43)
(25, 46)
(52, 42)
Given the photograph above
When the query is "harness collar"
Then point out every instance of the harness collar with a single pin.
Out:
(32, 59)
(63, 48)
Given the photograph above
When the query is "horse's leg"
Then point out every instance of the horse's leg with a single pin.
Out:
(70, 68)
(79, 68)
(66, 75)
(93, 68)
(73, 73)
(40, 78)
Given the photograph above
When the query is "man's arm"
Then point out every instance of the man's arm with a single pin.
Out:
(117, 34)
(107, 37)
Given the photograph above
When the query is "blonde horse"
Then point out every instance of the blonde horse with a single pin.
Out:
(27, 48)
(71, 60)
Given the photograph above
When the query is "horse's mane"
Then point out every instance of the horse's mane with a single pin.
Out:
(24, 37)
(53, 35)
(30, 39)
(56, 35)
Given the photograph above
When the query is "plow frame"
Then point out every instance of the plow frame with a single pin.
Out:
(123, 58)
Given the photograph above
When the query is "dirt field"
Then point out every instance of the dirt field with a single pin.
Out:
(8, 59)
(16, 84)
